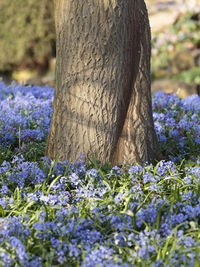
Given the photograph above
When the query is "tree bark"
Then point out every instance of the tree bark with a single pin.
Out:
(102, 103)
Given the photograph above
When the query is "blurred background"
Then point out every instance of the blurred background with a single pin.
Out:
(27, 43)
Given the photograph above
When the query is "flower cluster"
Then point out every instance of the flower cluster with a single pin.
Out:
(25, 115)
(177, 123)
(64, 214)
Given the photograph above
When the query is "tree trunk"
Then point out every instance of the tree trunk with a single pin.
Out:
(102, 103)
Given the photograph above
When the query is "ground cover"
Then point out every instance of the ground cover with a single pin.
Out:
(88, 214)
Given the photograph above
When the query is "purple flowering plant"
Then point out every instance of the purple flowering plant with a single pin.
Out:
(88, 214)
(25, 115)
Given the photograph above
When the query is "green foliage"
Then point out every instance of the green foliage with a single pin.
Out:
(189, 76)
(183, 35)
(27, 33)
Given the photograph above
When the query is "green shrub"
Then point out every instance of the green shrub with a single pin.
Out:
(27, 33)
(189, 76)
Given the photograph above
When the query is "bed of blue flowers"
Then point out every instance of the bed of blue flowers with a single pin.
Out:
(88, 214)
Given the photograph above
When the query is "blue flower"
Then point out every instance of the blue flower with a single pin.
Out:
(119, 197)
(19, 248)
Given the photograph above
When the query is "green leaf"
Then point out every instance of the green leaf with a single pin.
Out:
(52, 183)
(16, 193)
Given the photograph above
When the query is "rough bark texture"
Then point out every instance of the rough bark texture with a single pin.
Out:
(102, 103)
